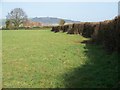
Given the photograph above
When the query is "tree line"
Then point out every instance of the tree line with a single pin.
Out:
(17, 17)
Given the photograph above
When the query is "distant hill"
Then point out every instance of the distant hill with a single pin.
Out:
(51, 20)
(44, 20)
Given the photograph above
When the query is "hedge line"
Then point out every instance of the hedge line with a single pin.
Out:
(106, 33)
(28, 28)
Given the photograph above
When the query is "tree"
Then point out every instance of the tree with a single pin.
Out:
(62, 22)
(17, 16)
(7, 24)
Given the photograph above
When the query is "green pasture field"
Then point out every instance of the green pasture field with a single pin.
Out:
(44, 59)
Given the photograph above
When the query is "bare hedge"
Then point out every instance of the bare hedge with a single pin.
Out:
(106, 33)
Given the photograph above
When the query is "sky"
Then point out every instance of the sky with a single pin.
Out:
(78, 11)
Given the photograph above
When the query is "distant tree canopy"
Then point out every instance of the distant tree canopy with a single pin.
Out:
(16, 17)
(62, 22)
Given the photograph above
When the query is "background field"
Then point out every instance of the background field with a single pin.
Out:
(41, 58)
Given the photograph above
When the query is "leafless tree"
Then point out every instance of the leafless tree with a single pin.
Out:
(62, 22)
(17, 16)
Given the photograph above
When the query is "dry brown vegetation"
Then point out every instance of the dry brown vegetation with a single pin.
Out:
(106, 33)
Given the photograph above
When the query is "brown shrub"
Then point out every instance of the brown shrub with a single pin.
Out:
(109, 41)
(80, 28)
(106, 33)
(70, 29)
(88, 29)
(55, 28)
(65, 28)
(76, 28)
(95, 33)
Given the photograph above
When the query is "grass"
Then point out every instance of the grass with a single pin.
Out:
(41, 58)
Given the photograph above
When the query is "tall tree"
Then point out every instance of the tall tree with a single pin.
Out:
(17, 16)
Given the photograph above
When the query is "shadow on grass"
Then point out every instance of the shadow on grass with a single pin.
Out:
(99, 71)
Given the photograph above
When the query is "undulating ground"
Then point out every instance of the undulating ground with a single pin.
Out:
(43, 59)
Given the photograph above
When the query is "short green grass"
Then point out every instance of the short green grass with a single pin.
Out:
(43, 59)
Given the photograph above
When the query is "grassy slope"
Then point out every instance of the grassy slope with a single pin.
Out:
(46, 59)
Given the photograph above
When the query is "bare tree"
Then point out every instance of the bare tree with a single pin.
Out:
(17, 16)
(62, 22)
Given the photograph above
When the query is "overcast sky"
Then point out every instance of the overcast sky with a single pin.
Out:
(80, 11)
